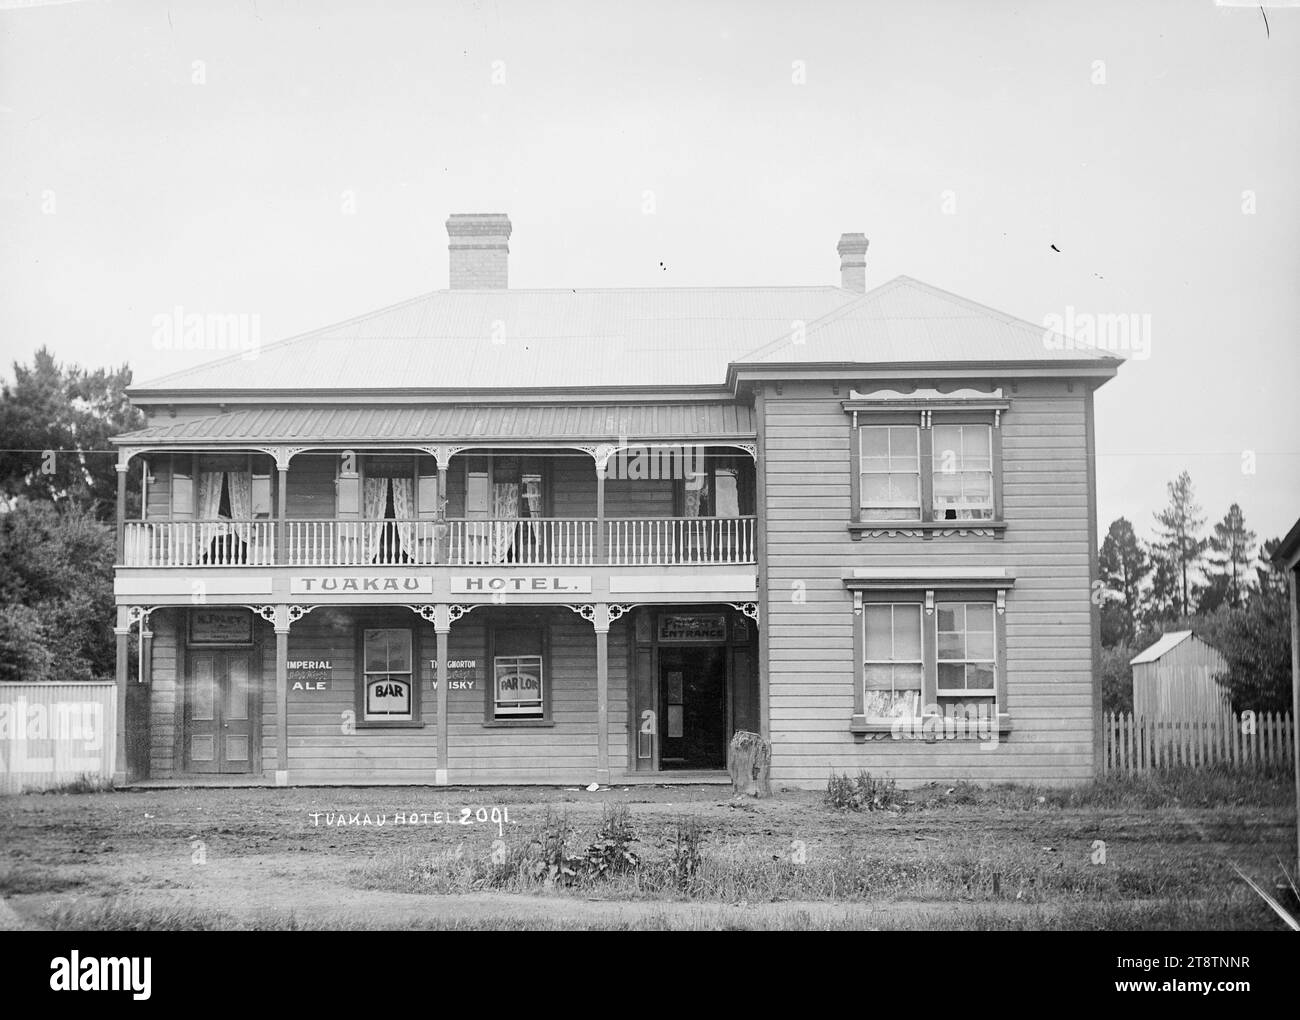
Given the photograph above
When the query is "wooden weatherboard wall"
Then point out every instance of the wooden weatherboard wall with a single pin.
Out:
(809, 611)
(326, 746)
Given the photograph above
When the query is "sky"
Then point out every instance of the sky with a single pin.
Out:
(1057, 161)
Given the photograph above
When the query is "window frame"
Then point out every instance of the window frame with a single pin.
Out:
(966, 690)
(416, 721)
(991, 470)
(928, 595)
(491, 456)
(924, 415)
(494, 625)
(865, 662)
(920, 465)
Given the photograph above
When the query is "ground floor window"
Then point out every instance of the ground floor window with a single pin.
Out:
(967, 657)
(519, 686)
(921, 654)
(388, 689)
(893, 671)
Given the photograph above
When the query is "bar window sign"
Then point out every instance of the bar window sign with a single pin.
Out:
(518, 686)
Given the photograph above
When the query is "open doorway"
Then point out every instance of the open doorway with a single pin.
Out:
(693, 707)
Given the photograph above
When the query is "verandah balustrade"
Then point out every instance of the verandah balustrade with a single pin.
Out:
(538, 541)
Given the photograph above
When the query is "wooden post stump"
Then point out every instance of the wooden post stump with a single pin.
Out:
(749, 759)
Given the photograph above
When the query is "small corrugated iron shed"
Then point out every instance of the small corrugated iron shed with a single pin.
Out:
(1174, 679)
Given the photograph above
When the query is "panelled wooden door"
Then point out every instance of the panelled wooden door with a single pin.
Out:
(219, 713)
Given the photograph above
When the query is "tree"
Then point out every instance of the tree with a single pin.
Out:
(1179, 545)
(57, 421)
(1162, 603)
(1124, 564)
(1231, 549)
(1117, 679)
(56, 594)
(1256, 640)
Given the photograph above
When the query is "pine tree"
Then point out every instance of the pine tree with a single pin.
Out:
(1231, 550)
(1178, 546)
(1124, 564)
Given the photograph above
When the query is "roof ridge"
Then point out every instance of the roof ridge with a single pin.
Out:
(828, 317)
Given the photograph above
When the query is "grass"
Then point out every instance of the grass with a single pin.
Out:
(939, 856)
(1218, 913)
(26, 879)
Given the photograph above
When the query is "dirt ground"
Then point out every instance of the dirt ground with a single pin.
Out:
(309, 858)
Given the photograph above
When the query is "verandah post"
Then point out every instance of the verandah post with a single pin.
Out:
(442, 627)
(282, 506)
(282, 695)
(601, 457)
(121, 507)
(601, 621)
(122, 632)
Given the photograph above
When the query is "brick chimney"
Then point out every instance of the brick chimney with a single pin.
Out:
(480, 250)
(853, 262)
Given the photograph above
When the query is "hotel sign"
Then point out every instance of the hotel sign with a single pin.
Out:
(518, 584)
(378, 584)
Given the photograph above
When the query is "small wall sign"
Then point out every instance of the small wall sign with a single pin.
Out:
(682, 628)
(462, 674)
(221, 627)
(310, 674)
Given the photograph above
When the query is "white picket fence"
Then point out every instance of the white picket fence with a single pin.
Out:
(1258, 740)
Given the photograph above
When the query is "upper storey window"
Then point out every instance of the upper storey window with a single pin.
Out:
(925, 459)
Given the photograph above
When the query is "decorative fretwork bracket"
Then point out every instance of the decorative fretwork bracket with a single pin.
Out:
(282, 454)
(426, 611)
(125, 453)
(282, 617)
(591, 612)
(750, 609)
(442, 454)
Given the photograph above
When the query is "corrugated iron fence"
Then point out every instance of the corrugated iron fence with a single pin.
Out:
(1263, 740)
(51, 734)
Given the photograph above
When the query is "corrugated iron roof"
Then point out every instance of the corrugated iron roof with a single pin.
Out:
(462, 423)
(616, 339)
(1170, 641)
(906, 320)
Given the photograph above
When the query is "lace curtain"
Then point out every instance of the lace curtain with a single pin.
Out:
(505, 511)
(374, 498)
(239, 484)
(404, 511)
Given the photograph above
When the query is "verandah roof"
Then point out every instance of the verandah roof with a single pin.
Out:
(693, 422)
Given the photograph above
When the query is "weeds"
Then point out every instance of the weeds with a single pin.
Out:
(611, 853)
(865, 793)
(547, 855)
(84, 783)
(685, 858)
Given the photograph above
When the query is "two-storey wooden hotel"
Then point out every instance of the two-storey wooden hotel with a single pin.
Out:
(565, 536)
